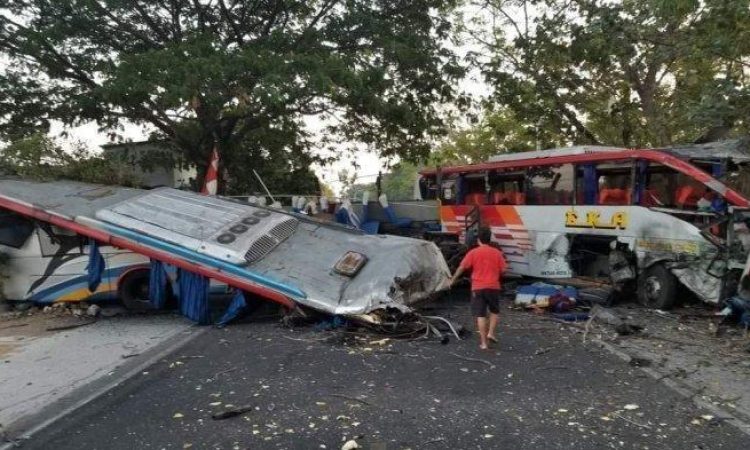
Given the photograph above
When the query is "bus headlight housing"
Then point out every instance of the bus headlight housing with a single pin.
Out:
(350, 263)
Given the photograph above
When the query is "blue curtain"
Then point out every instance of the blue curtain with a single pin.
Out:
(236, 308)
(194, 297)
(460, 190)
(590, 184)
(342, 216)
(95, 267)
(718, 204)
(640, 180)
(157, 285)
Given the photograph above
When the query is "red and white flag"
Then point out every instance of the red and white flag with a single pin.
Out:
(212, 174)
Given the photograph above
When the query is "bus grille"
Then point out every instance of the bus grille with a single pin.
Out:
(266, 243)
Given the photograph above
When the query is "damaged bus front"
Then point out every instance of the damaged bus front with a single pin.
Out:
(286, 257)
(648, 220)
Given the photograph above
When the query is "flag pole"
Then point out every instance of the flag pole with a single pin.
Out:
(273, 200)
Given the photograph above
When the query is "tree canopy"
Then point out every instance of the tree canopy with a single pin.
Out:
(632, 73)
(39, 157)
(242, 74)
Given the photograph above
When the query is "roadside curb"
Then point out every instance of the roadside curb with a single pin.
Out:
(93, 390)
(680, 388)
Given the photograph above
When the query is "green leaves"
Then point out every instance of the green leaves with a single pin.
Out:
(38, 157)
(634, 73)
(201, 73)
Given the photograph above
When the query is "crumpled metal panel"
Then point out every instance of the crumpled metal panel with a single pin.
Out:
(737, 150)
(696, 278)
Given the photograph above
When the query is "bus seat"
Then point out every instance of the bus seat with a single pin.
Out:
(565, 197)
(516, 198)
(498, 198)
(614, 197)
(476, 199)
(686, 196)
(651, 198)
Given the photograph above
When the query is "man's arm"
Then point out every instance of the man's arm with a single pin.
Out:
(465, 264)
(457, 275)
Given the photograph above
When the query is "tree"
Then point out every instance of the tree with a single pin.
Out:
(632, 73)
(227, 71)
(398, 183)
(498, 132)
(39, 157)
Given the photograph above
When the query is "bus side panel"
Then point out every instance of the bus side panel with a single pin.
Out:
(66, 278)
(535, 238)
(508, 231)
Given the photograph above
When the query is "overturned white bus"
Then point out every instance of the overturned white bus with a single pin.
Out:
(287, 258)
(647, 219)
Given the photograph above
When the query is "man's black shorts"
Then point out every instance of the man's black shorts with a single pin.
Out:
(485, 299)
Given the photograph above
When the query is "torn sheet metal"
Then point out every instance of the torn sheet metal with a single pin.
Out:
(550, 256)
(696, 277)
(284, 254)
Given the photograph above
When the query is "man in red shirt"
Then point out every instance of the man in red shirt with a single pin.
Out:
(487, 264)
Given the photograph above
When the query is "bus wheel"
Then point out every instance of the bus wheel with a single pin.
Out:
(657, 287)
(133, 290)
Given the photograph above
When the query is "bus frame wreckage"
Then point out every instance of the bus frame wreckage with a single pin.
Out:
(287, 258)
(648, 220)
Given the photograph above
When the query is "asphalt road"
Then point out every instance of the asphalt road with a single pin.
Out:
(540, 388)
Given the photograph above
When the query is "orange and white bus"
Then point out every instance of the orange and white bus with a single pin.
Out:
(646, 219)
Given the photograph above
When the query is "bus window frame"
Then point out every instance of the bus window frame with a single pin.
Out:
(513, 175)
(527, 182)
(20, 222)
(64, 241)
(632, 179)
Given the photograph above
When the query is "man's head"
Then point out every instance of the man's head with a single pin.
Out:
(484, 235)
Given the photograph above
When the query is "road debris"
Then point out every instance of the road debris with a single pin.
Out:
(93, 311)
(234, 412)
(71, 326)
(350, 445)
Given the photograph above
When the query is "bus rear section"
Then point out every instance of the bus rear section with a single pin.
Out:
(648, 221)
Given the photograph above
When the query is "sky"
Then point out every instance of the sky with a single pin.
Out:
(368, 162)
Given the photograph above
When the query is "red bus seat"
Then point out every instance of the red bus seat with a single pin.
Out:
(686, 196)
(476, 199)
(614, 197)
(507, 198)
(498, 198)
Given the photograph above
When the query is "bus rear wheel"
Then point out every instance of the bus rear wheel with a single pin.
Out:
(657, 287)
(133, 290)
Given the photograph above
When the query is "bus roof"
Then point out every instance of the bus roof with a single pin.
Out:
(564, 151)
(738, 150)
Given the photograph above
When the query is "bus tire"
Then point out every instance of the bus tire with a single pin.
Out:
(133, 290)
(657, 287)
